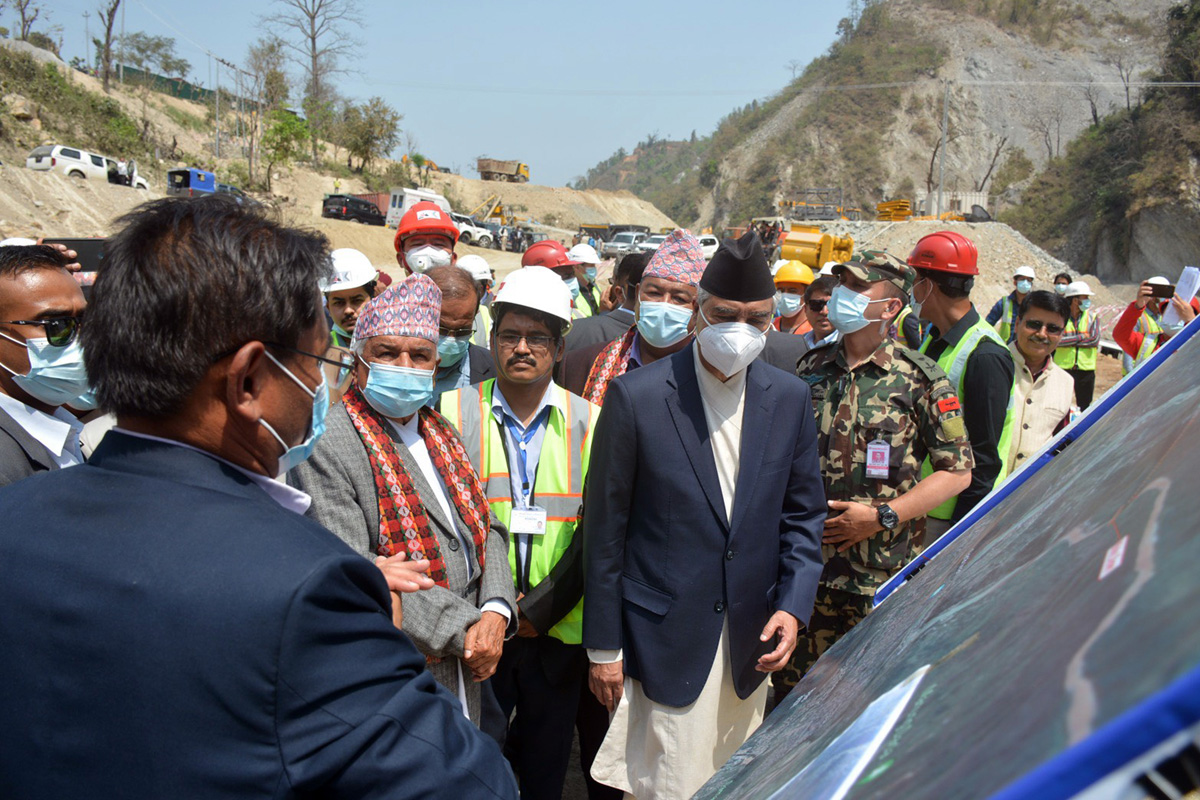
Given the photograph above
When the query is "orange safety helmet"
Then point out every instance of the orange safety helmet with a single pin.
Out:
(946, 251)
(425, 217)
(548, 253)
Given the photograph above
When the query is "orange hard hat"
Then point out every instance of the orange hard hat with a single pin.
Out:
(794, 272)
(946, 251)
(426, 217)
(548, 253)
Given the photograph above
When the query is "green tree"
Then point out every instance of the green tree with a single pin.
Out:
(283, 141)
(153, 54)
(372, 131)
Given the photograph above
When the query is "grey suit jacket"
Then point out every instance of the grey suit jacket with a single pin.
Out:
(21, 455)
(339, 479)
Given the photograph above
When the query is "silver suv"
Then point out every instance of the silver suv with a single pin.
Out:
(624, 242)
(76, 163)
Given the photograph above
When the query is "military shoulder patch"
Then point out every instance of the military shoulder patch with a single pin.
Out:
(924, 363)
(954, 427)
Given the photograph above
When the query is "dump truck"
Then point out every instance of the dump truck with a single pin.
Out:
(493, 169)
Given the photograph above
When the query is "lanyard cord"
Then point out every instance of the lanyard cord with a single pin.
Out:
(508, 426)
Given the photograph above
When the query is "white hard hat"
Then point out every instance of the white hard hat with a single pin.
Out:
(1159, 280)
(1078, 289)
(827, 269)
(1024, 272)
(537, 288)
(18, 241)
(477, 266)
(778, 263)
(583, 253)
(351, 269)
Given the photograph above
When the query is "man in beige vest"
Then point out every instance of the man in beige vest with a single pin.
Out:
(1045, 392)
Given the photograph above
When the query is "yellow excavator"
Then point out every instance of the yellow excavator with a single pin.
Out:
(806, 244)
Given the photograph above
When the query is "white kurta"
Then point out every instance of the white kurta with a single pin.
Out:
(656, 751)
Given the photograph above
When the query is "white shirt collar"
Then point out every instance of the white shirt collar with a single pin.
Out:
(288, 497)
(549, 398)
(713, 386)
(57, 432)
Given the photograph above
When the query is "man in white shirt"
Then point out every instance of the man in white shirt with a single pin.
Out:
(1045, 392)
(41, 362)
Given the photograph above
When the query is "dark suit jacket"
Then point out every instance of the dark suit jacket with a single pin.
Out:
(782, 351)
(663, 565)
(21, 455)
(482, 365)
(600, 328)
(182, 635)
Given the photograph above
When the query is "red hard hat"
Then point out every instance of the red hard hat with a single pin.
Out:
(946, 251)
(548, 253)
(426, 217)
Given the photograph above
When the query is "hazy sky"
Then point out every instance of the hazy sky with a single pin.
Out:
(559, 85)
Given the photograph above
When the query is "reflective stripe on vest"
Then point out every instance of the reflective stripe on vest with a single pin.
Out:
(1007, 309)
(1082, 358)
(483, 328)
(558, 482)
(954, 363)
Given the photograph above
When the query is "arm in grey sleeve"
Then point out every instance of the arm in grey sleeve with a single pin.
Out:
(336, 502)
(498, 581)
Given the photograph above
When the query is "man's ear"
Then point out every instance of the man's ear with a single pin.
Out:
(245, 380)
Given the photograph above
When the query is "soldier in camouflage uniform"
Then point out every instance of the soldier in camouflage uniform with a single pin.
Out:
(881, 409)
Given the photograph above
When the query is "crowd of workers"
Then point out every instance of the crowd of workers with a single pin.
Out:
(325, 535)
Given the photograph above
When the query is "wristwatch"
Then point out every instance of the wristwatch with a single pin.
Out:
(889, 519)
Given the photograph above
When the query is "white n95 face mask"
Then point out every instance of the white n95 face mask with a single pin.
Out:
(730, 346)
(426, 257)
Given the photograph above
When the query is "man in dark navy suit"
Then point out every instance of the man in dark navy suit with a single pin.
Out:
(702, 527)
(175, 626)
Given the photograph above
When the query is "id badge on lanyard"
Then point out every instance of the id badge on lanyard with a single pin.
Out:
(879, 453)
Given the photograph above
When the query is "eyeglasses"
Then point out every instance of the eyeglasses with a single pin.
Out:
(817, 306)
(511, 340)
(60, 331)
(1033, 326)
(456, 333)
(231, 351)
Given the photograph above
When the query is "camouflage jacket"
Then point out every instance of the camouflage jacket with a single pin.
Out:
(896, 396)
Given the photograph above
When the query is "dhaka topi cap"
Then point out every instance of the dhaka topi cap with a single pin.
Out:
(412, 307)
(873, 266)
(739, 271)
(679, 258)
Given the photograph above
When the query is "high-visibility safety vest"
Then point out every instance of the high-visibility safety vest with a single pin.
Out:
(1150, 329)
(583, 309)
(954, 363)
(1083, 358)
(557, 484)
(1008, 316)
(482, 337)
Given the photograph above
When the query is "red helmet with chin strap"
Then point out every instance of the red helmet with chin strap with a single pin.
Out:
(946, 251)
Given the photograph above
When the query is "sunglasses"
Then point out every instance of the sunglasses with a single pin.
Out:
(1034, 326)
(60, 331)
(817, 306)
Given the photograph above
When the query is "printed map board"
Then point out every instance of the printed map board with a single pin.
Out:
(1061, 630)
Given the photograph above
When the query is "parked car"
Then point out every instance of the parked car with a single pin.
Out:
(343, 206)
(225, 188)
(470, 232)
(76, 163)
(709, 245)
(651, 243)
(190, 182)
(622, 243)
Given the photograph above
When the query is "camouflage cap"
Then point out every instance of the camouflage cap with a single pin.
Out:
(878, 265)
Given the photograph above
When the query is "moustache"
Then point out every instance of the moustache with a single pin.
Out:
(1039, 340)
(515, 360)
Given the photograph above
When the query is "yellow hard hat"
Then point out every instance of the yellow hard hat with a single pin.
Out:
(794, 272)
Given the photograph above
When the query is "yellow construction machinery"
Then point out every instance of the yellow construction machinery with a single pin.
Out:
(806, 244)
(493, 210)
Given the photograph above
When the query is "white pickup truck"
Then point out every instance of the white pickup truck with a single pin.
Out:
(469, 232)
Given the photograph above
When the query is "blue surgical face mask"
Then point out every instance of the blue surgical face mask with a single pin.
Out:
(86, 401)
(847, 310)
(788, 304)
(452, 349)
(663, 324)
(398, 392)
(1085, 304)
(573, 285)
(591, 273)
(56, 374)
(297, 454)
(1024, 287)
(915, 303)
(1061, 288)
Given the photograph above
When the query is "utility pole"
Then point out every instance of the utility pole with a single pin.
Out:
(121, 67)
(87, 39)
(217, 115)
(945, 136)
